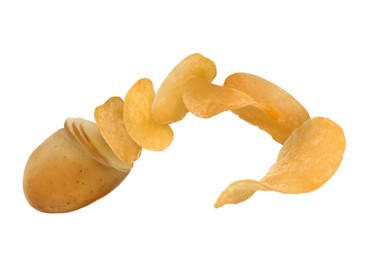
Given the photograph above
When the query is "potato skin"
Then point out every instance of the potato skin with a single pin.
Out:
(62, 176)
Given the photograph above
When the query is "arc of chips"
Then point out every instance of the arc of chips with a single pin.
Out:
(84, 161)
(312, 148)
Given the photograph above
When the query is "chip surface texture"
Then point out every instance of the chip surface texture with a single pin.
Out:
(138, 118)
(168, 106)
(110, 121)
(307, 160)
(290, 113)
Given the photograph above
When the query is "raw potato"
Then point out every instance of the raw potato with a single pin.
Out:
(109, 118)
(291, 114)
(205, 99)
(138, 118)
(61, 176)
(168, 106)
(307, 160)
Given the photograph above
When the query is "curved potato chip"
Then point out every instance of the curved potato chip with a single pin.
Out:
(109, 118)
(168, 106)
(205, 99)
(291, 114)
(307, 160)
(138, 118)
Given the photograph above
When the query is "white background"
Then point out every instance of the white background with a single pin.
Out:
(61, 59)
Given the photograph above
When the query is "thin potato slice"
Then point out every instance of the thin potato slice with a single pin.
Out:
(291, 114)
(307, 160)
(109, 118)
(72, 127)
(68, 125)
(84, 140)
(205, 99)
(98, 146)
(138, 118)
(168, 106)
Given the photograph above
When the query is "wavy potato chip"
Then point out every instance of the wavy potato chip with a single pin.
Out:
(110, 121)
(205, 99)
(291, 114)
(307, 160)
(168, 106)
(138, 118)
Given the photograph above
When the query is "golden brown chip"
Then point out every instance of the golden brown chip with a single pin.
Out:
(205, 99)
(138, 118)
(307, 160)
(291, 114)
(168, 106)
(109, 118)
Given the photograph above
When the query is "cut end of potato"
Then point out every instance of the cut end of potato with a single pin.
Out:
(307, 160)
(289, 113)
(88, 135)
(168, 106)
(109, 118)
(206, 100)
(91, 131)
(138, 118)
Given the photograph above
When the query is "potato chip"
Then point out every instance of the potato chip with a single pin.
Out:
(168, 106)
(291, 114)
(109, 118)
(307, 160)
(205, 99)
(138, 118)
